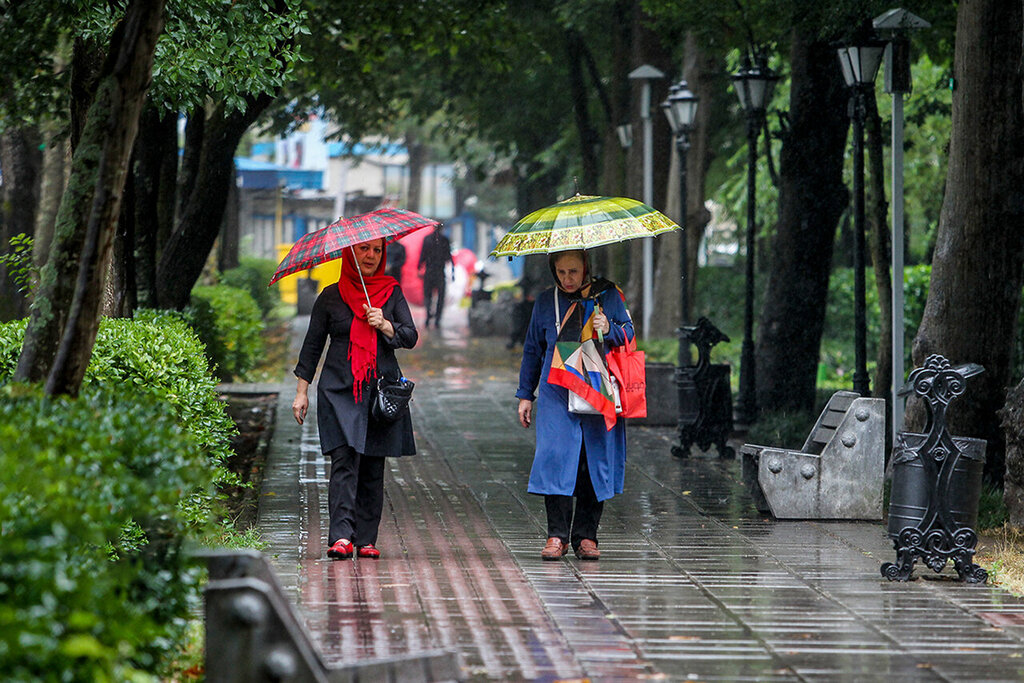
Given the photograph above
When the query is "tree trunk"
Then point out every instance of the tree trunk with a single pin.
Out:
(702, 73)
(974, 295)
(185, 254)
(811, 197)
(87, 58)
(195, 133)
(588, 137)
(612, 261)
(122, 283)
(62, 329)
(534, 188)
(154, 182)
(1012, 422)
(21, 161)
(54, 177)
(880, 236)
(418, 154)
(228, 244)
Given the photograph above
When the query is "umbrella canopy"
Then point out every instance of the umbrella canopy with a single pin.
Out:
(582, 222)
(329, 243)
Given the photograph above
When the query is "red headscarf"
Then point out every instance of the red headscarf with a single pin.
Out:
(362, 345)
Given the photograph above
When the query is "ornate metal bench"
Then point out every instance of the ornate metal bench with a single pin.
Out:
(705, 399)
(837, 474)
(936, 481)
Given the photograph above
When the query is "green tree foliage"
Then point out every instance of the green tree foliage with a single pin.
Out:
(18, 262)
(210, 49)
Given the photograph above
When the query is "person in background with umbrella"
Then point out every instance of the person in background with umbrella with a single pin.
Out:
(435, 256)
(576, 454)
(396, 260)
(366, 317)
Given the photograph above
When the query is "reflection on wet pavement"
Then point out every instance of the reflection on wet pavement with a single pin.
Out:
(693, 583)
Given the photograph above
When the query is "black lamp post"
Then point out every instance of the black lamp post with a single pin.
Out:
(754, 86)
(860, 65)
(681, 110)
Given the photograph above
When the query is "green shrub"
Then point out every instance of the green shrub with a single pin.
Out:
(159, 355)
(229, 323)
(252, 275)
(94, 583)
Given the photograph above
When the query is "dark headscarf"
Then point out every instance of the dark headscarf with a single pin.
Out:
(583, 299)
(591, 286)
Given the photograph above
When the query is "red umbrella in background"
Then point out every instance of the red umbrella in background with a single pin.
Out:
(412, 283)
(465, 258)
(331, 242)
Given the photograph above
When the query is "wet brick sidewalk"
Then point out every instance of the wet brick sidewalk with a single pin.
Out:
(693, 583)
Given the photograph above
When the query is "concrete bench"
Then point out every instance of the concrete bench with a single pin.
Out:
(837, 474)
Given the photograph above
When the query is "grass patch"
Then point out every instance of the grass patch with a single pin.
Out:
(1001, 553)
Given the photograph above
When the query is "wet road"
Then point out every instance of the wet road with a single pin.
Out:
(693, 583)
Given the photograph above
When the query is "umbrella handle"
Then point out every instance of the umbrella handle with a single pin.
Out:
(361, 280)
(600, 334)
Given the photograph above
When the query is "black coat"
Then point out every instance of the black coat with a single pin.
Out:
(340, 420)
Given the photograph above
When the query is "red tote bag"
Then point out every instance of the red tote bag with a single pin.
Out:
(627, 365)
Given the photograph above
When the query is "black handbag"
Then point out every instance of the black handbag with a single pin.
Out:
(392, 398)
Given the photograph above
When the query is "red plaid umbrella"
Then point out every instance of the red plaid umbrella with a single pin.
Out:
(327, 244)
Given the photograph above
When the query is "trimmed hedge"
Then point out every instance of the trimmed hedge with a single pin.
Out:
(252, 275)
(158, 355)
(229, 323)
(94, 584)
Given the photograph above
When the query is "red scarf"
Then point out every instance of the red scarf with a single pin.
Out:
(362, 345)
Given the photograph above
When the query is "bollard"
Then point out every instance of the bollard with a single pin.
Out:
(936, 482)
(705, 396)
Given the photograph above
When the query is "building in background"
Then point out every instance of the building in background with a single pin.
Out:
(300, 183)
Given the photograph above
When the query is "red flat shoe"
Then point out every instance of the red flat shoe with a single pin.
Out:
(369, 551)
(341, 550)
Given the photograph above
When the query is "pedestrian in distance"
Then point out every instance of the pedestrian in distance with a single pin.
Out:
(363, 338)
(577, 455)
(396, 260)
(435, 256)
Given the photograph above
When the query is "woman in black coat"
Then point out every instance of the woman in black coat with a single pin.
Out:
(363, 342)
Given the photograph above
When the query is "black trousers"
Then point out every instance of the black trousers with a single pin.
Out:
(569, 527)
(433, 285)
(355, 496)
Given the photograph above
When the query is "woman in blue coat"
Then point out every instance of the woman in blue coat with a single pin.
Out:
(577, 455)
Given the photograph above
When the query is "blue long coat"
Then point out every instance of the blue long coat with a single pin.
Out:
(560, 434)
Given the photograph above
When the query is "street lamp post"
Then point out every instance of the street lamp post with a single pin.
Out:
(645, 74)
(681, 110)
(860, 65)
(754, 85)
(897, 24)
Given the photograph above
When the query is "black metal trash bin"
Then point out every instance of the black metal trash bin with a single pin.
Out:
(936, 482)
(912, 489)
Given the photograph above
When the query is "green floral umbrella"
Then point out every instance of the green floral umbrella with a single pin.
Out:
(582, 222)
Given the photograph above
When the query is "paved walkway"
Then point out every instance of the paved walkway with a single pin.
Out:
(693, 584)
